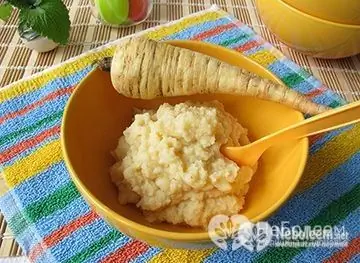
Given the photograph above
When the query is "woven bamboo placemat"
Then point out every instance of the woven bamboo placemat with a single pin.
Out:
(16, 61)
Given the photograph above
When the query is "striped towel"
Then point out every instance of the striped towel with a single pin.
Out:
(52, 222)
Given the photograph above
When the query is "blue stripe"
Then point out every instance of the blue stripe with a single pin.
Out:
(231, 33)
(49, 224)
(304, 86)
(327, 97)
(225, 35)
(28, 238)
(80, 240)
(278, 69)
(24, 100)
(245, 28)
(295, 68)
(331, 187)
(283, 67)
(34, 116)
(351, 225)
(197, 29)
(8, 206)
(355, 259)
(147, 255)
(105, 251)
(228, 34)
(46, 257)
(253, 50)
(317, 145)
(42, 185)
(240, 255)
(27, 135)
(30, 150)
(315, 82)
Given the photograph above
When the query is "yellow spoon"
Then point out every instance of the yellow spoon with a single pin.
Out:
(330, 120)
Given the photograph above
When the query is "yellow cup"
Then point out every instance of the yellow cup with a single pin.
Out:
(308, 34)
(340, 11)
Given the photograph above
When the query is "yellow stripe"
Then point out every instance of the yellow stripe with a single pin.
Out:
(64, 70)
(181, 255)
(276, 52)
(263, 57)
(181, 25)
(33, 164)
(330, 156)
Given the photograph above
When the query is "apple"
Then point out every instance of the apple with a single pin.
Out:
(113, 11)
(138, 9)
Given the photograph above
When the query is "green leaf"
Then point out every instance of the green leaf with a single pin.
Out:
(5, 11)
(49, 18)
(20, 3)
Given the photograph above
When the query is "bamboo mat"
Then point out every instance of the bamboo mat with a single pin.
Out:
(16, 61)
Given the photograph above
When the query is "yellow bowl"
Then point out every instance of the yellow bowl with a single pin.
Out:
(308, 34)
(341, 11)
(96, 116)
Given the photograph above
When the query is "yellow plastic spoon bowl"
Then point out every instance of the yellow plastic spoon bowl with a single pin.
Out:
(330, 120)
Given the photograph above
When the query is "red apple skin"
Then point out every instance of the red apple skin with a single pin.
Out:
(138, 9)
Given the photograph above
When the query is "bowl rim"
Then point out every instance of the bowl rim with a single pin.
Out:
(318, 19)
(165, 234)
(322, 18)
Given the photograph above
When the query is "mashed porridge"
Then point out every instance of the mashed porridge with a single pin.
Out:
(169, 164)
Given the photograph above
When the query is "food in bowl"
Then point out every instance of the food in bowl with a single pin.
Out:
(146, 69)
(169, 164)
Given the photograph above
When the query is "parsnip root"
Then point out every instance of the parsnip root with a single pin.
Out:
(146, 69)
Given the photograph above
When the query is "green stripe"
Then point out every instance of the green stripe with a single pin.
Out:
(335, 212)
(304, 73)
(234, 40)
(56, 201)
(334, 104)
(95, 247)
(31, 128)
(292, 79)
(18, 224)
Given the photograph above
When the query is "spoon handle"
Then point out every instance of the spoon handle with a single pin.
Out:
(329, 120)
